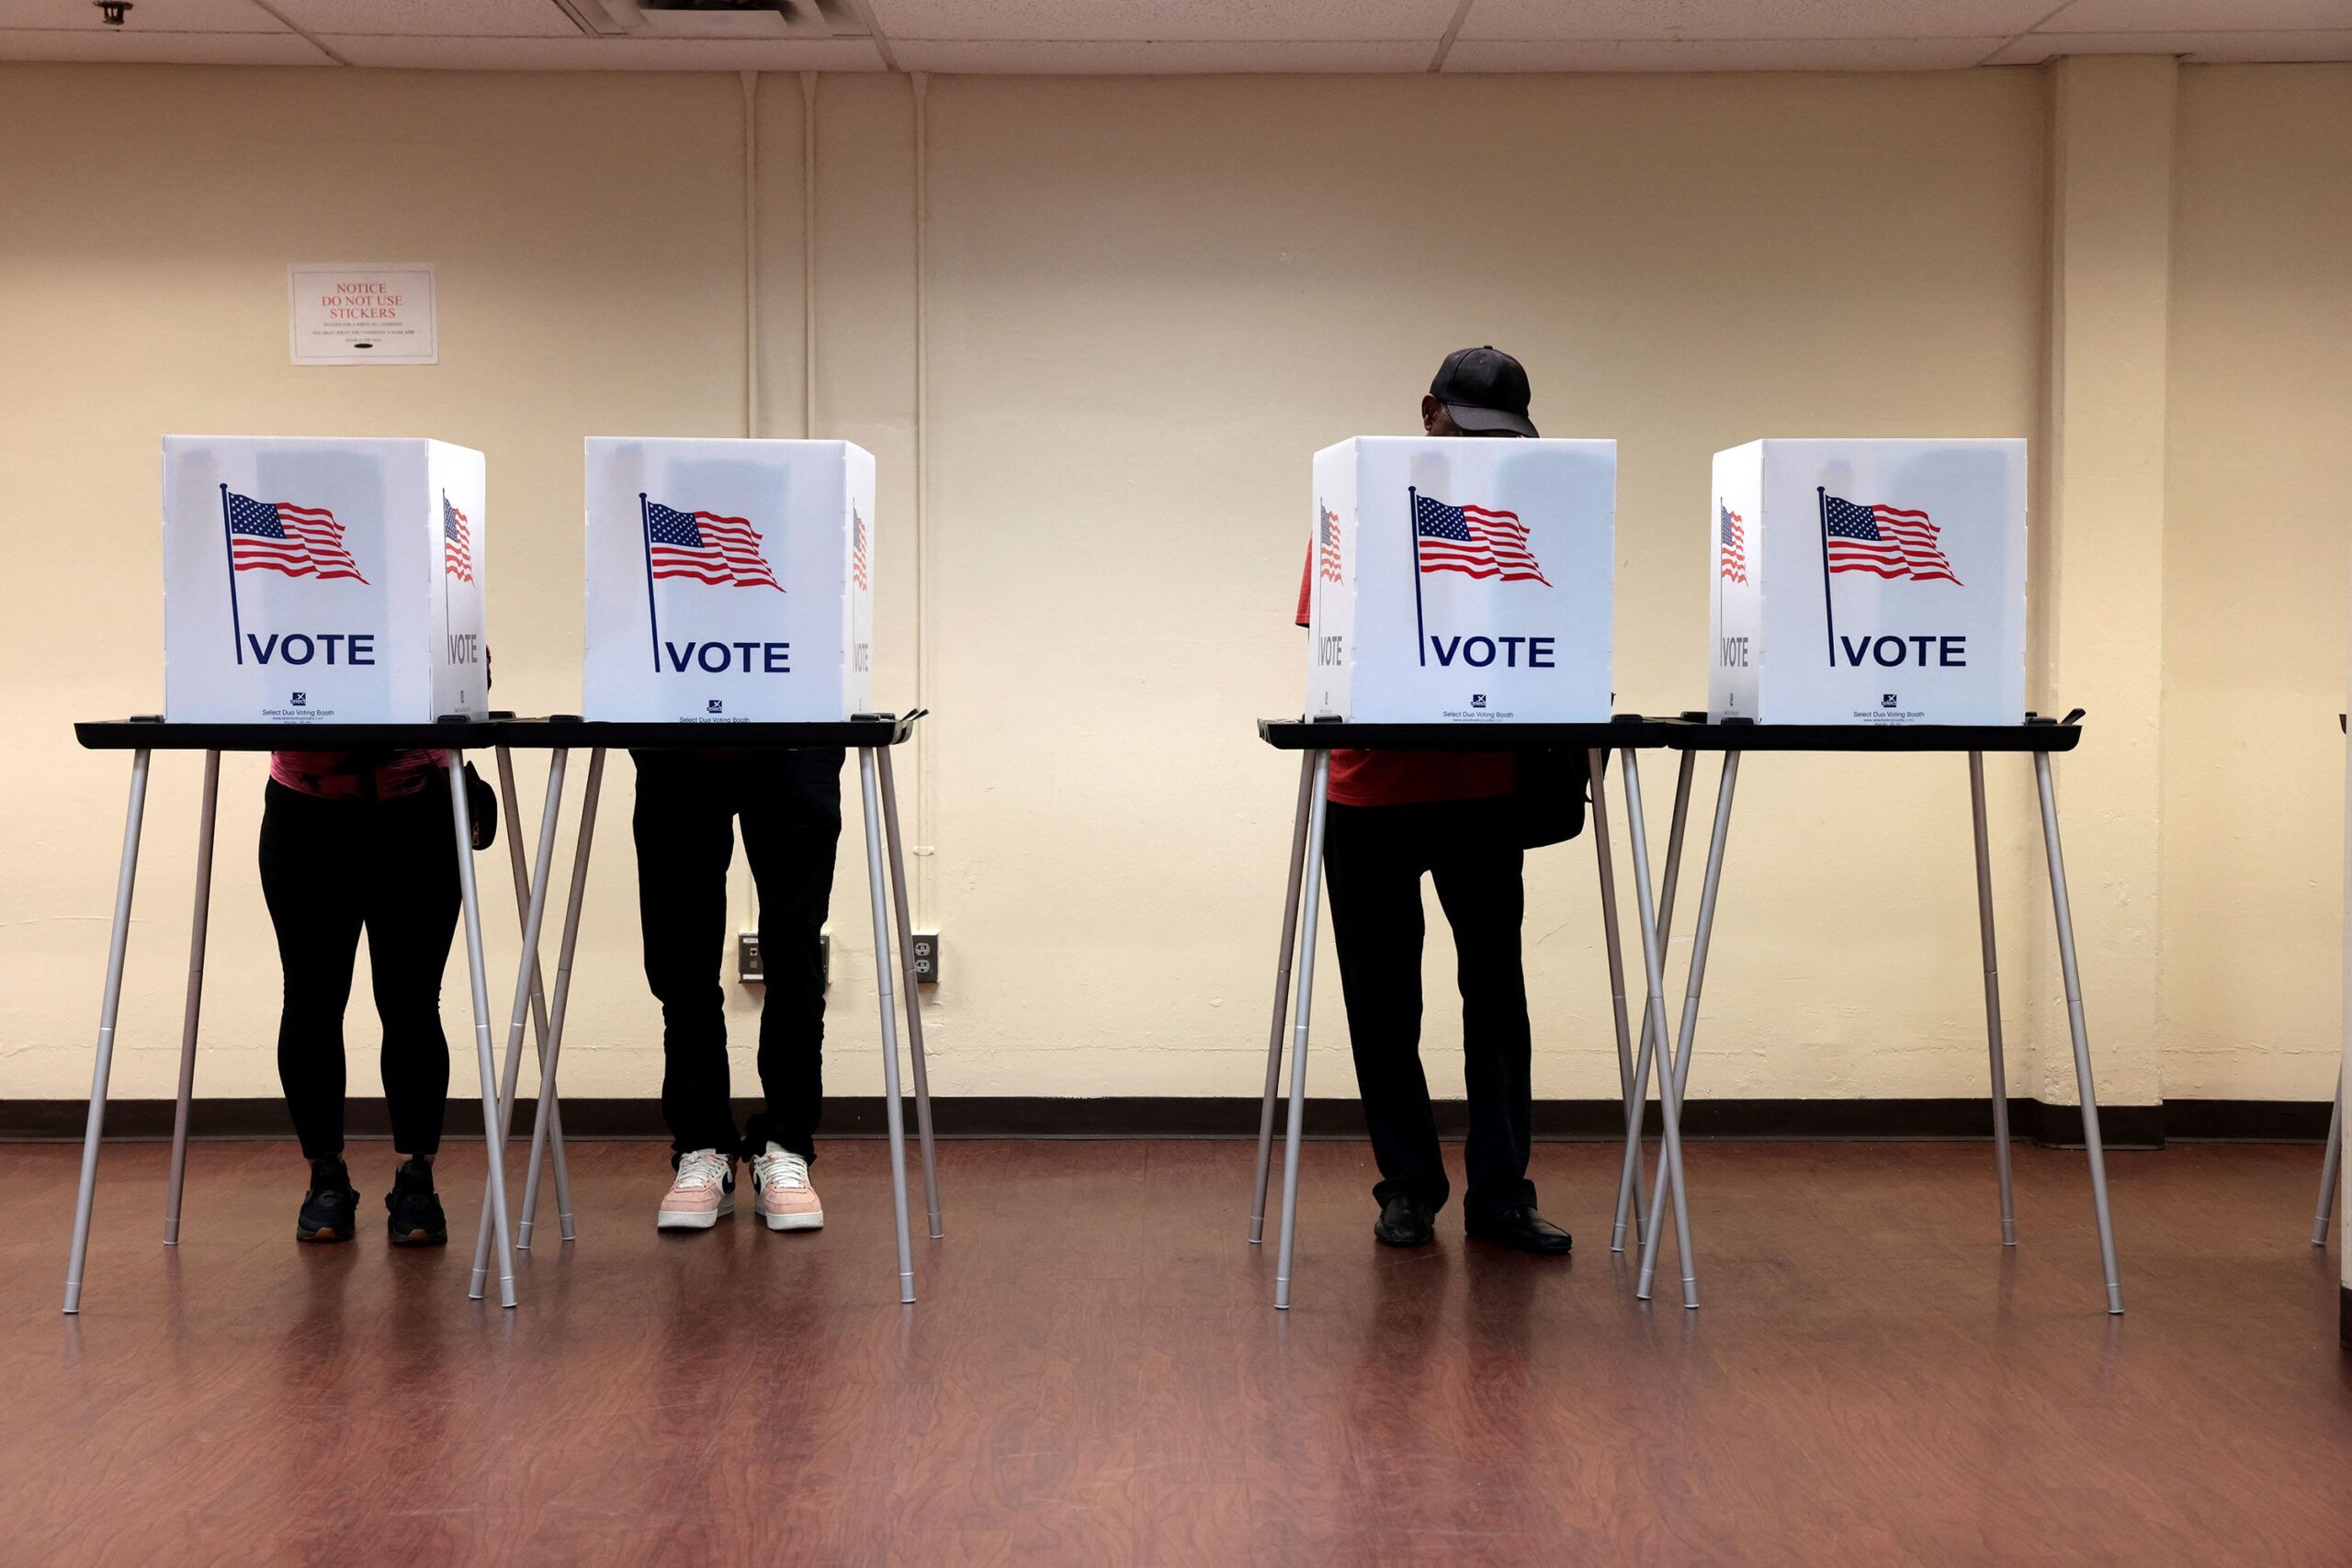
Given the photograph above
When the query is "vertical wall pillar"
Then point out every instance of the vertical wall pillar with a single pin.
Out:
(2100, 610)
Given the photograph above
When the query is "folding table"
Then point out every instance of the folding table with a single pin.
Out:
(2037, 737)
(1316, 740)
(144, 736)
(871, 736)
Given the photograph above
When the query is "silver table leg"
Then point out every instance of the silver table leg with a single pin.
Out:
(2325, 1215)
(485, 1062)
(1629, 1175)
(1669, 1184)
(892, 1112)
(124, 880)
(1282, 1001)
(2075, 1022)
(914, 992)
(1310, 896)
(548, 1111)
(2000, 1075)
(525, 971)
(1605, 862)
(174, 1183)
(544, 1128)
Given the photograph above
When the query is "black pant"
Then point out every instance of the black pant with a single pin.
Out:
(1374, 859)
(790, 805)
(329, 869)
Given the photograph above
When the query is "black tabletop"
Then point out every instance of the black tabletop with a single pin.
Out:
(578, 733)
(498, 729)
(1692, 732)
(1300, 735)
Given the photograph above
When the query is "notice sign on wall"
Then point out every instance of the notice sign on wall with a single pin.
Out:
(362, 314)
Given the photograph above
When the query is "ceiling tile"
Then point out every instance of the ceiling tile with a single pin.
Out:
(580, 52)
(432, 18)
(1110, 59)
(159, 47)
(146, 16)
(2198, 16)
(1164, 21)
(2216, 48)
(1678, 19)
(1720, 54)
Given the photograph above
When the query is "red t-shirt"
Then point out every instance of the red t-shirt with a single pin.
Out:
(1407, 778)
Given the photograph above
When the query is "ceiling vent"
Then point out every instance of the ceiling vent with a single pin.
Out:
(748, 20)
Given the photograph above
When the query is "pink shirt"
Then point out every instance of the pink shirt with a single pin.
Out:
(346, 775)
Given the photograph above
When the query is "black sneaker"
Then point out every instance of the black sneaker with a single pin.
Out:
(415, 1219)
(331, 1209)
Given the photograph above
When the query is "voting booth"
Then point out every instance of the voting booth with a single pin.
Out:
(1869, 582)
(322, 580)
(729, 581)
(1461, 581)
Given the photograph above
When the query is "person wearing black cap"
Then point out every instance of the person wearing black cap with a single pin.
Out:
(1393, 817)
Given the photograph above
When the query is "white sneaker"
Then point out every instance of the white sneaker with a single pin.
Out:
(786, 1200)
(703, 1193)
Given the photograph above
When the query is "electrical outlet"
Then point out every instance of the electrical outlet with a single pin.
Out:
(926, 944)
(748, 970)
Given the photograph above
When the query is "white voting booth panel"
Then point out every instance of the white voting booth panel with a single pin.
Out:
(1461, 581)
(729, 581)
(1869, 582)
(314, 580)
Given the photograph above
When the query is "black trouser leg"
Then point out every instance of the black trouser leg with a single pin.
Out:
(1478, 885)
(792, 828)
(413, 896)
(685, 828)
(1373, 869)
(312, 889)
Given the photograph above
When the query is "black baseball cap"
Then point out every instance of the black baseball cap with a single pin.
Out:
(1484, 389)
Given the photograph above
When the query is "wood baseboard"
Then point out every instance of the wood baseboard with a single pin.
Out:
(1025, 1116)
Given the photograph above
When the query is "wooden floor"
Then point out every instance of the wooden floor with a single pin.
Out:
(1095, 1374)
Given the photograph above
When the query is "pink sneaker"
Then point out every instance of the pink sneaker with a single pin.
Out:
(703, 1193)
(786, 1200)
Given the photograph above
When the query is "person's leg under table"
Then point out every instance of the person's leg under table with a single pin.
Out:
(1281, 1000)
(317, 909)
(109, 1002)
(685, 827)
(791, 824)
(411, 899)
(1373, 857)
(1479, 886)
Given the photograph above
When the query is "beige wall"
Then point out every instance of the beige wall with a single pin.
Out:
(1147, 301)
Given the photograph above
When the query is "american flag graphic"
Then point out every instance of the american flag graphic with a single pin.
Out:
(278, 536)
(706, 547)
(1474, 541)
(1327, 538)
(1885, 541)
(457, 544)
(856, 548)
(1732, 559)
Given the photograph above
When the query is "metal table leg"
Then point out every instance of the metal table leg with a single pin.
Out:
(1629, 1175)
(544, 1128)
(2000, 1075)
(1282, 1001)
(2325, 1217)
(1669, 1183)
(548, 1112)
(913, 993)
(525, 969)
(1310, 896)
(892, 1111)
(195, 1009)
(124, 880)
(1614, 942)
(485, 1063)
(2074, 1024)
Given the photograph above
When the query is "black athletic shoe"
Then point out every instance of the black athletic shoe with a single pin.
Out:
(1404, 1221)
(1522, 1229)
(415, 1219)
(331, 1210)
